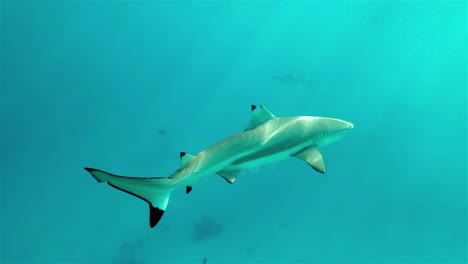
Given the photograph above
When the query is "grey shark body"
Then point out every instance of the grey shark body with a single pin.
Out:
(266, 139)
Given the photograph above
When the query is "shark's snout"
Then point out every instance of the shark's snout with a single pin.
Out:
(348, 125)
(340, 125)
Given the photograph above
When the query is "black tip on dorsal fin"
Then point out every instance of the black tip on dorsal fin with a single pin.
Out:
(188, 189)
(155, 215)
(253, 107)
(182, 154)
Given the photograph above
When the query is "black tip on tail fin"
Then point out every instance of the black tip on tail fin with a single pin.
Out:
(91, 171)
(155, 215)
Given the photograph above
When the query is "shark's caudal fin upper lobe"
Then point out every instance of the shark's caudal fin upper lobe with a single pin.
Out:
(155, 191)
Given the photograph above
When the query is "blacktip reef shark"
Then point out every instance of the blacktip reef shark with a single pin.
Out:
(266, 139)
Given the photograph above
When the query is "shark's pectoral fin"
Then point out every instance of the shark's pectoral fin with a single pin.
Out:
(185, 158)
(188, 189)
(229, 175)
(313, 157)
(260, 115)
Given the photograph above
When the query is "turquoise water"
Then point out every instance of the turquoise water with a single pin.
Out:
(126, 86)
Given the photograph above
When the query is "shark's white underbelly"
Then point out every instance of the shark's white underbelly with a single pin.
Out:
(267, 159)
(227, 164)
(243, 151)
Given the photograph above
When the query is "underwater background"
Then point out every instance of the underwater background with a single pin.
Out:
(125, 86)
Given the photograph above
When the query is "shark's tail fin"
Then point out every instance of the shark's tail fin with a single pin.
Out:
(155, 191)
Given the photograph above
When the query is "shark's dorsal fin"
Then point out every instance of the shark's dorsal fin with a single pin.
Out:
(229, 175)
(260, 115)
(313, 157)
(185, 158)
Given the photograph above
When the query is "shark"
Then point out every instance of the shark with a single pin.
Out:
(266, 139)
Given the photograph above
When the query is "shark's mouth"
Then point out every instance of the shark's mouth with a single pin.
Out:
(323, 139)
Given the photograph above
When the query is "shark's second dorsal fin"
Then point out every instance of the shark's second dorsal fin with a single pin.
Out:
(229, 175)
(185, 158)
(313, 157)
(260, 115)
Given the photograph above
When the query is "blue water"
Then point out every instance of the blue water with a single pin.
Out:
(126, 86)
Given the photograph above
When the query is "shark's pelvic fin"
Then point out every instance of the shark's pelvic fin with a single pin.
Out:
(155, 191)
(313, 157)
(260, 115)
(188, 189)
(229, 175)
(185, 158)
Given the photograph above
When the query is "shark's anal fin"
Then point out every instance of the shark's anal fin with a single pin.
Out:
(185, 158)
(260, 115)
(229, 175)
(313, 157)
(188, 189)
